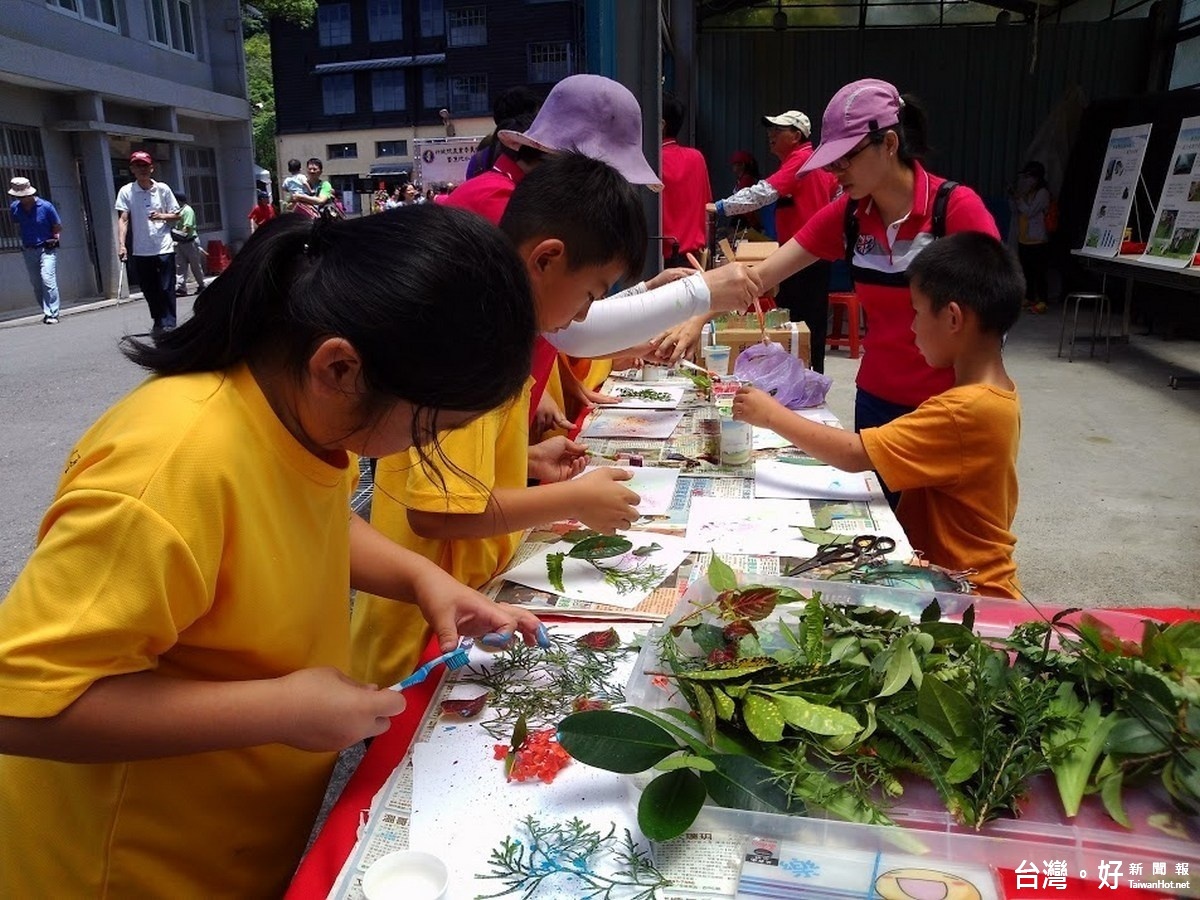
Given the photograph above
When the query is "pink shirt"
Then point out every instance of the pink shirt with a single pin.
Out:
(488, 194)
(799, 198)
(892, 367)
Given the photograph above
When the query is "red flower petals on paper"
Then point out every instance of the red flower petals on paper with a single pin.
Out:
(540, 757)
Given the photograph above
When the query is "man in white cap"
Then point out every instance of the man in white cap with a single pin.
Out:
(40, 229)
(796, 198)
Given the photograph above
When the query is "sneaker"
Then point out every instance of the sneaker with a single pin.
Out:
(50, 320)
(180, 292)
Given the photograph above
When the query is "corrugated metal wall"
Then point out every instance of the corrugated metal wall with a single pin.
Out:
(983, 104)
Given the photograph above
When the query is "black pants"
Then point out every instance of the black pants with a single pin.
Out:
(156, 275)
(806, 296)
(1035, 263)
(871, 412)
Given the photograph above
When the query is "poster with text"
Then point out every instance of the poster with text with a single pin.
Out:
(1115, 192)
(1176, 230)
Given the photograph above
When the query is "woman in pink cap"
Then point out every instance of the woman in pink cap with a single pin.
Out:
(890, 209)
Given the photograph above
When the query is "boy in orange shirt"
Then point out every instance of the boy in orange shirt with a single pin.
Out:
(955, 456)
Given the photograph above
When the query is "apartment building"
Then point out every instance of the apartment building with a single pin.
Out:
(372, 76)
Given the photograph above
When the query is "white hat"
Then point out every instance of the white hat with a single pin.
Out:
(20, 187)
(793, 118)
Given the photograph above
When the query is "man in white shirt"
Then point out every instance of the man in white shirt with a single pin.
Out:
(146, 209)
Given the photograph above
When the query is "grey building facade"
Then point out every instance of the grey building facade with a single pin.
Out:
(84, 83)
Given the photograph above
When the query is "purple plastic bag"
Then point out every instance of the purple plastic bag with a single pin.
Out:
(783, 376)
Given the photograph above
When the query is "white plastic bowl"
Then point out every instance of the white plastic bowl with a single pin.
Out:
(406, 875)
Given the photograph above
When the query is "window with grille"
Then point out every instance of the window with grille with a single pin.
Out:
(433, 89)
(384, 21)
(341, 151)
(387, 90)
(549, 62)
(469, 94)
(333, 25)
(391, 148)
(202, 186)
(337, 94)
(433, 18)
(99, 12)
(171, 24)
(20, 157)
(467, 26)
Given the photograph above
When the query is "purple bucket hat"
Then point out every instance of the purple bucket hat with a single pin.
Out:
(595, 116)
(854, 112)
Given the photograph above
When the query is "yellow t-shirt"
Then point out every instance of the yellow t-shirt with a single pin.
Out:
(191, 534)
(955, 460)
(491, 452)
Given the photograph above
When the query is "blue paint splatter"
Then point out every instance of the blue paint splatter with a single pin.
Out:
(802, 868)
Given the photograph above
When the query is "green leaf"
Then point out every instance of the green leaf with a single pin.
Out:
(968, 618)
(1130, 737)
(723, 704)
(814, 632)
(946, 709)
(1110, 793)
(579, 534)
(897, 672)
(720, 576)
(763, 718)
(669, 804)
(820, 536)
(1074, 748)
(685, 761)
(754, 603)
(554, 570)
(707, 713)
(746, 668)
(742, 782)
(932, 612)
(520, 732)
(799, 713)
(615, 741)
(647, 549)
(602, 546)
(965, 765)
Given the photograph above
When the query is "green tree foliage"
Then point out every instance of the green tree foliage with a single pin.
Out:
(262, 98)
(301, 12)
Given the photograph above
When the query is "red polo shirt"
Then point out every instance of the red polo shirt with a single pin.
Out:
(686, 189)
(488, 194)
(892, 367)
(799, 198)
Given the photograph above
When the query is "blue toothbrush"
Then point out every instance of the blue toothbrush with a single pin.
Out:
(455, 659)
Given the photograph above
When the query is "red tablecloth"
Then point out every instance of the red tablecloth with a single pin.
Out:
(329, 852)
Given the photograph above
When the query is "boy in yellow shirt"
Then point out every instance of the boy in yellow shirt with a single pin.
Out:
(954, 457)
(579, 226)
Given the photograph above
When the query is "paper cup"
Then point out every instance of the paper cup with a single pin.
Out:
(736, 439)
(716, 358)
(406, 875)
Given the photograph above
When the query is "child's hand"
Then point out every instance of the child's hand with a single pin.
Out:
(675, 343)
(604, 503)
(756, 407)
(666, 276)
(323, 710)
(556, 459)
(458, 611)
(549, 417)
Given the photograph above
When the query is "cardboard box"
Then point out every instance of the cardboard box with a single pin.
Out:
(754, 251)
(794, 336)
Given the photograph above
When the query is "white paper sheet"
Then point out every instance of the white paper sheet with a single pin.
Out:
(654, 484)
(766, 439)
(583, 581)
(657, 424)
(773, 478)
(748, 526)
(675, 394)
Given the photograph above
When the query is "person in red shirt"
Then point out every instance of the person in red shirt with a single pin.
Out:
(686, 189)
(797, 198)
(872, 141)
(262, 213)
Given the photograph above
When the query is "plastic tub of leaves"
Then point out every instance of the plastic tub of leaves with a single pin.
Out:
(892, 729)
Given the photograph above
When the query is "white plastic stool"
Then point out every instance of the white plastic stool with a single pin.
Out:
(1100, 318)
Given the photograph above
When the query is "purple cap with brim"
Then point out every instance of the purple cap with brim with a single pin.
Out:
(595, 116)
(855, 111)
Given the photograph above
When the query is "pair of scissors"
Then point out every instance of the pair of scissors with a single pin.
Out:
(863, 548)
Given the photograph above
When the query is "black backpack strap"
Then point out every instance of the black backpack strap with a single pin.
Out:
(940, 201)
(850, 230)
